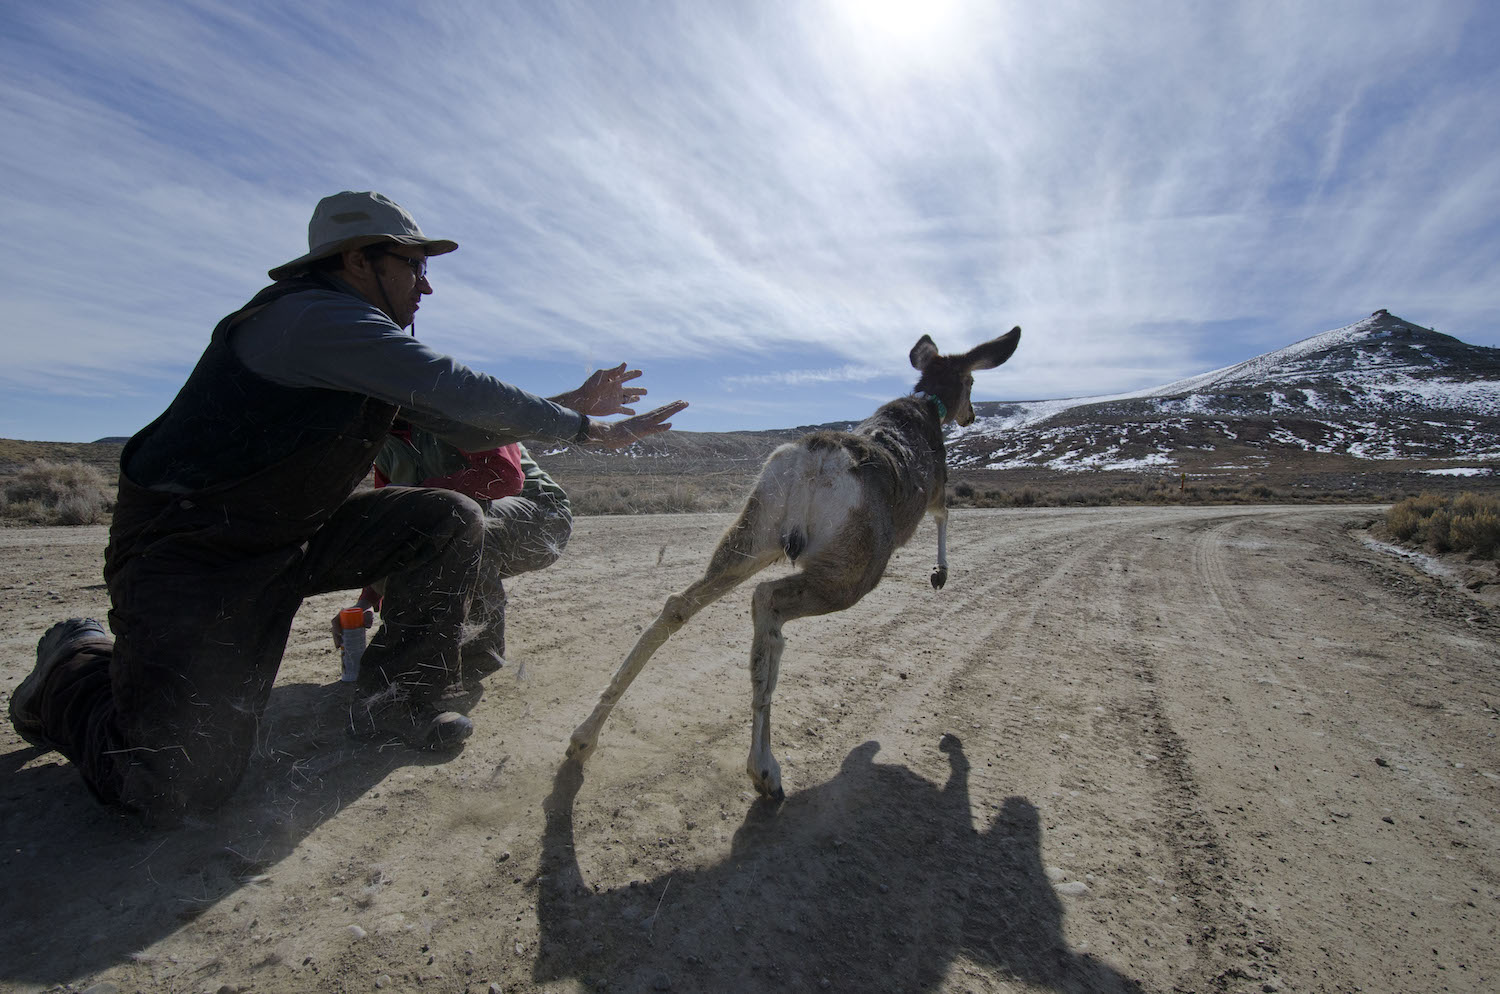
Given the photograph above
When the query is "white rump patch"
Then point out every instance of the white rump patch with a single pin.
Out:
(810, 492)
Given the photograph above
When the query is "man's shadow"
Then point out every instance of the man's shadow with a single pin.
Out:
(86, 886)
(874, 881)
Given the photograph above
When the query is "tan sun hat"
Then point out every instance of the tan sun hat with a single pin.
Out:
(353, 220)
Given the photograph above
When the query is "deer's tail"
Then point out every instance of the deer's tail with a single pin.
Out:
(793, 542)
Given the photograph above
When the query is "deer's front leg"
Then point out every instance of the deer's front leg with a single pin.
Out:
(940, 571)
(765, 666)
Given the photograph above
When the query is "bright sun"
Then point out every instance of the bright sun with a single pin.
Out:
(895, 23)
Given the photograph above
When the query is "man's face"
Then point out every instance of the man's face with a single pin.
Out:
(402, 272)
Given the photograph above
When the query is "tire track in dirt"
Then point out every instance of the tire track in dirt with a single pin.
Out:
(1334, 679)
(1188, 849)
(922, 642)
(1210, 813)
(1222, 592)
(889, 648)
(1133, 721)
(1232, 947)
(994, 692)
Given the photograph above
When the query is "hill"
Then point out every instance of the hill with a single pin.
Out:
(1381, 389)
(1376, 411)
(103, 454)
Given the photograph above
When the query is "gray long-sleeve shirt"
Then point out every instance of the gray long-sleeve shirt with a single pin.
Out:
(339, 341)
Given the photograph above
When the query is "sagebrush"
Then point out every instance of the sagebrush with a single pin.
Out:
(57, 493)
(1469, 523)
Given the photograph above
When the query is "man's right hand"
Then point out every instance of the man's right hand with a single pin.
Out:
(618, 434)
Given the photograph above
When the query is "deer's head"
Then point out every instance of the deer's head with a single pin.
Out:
(950, 378)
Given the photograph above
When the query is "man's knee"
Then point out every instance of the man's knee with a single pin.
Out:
(547, 543)
(560, 527)
(526, 536)
(173, 771)
(454, 514)
(444, 526)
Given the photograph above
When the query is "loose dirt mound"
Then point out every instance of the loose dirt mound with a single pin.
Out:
(1156, 749)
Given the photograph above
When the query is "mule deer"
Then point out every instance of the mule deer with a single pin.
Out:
(837, 503)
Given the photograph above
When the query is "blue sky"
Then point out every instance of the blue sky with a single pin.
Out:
(763, 204)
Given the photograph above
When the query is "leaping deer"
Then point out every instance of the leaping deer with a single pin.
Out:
(837, 503)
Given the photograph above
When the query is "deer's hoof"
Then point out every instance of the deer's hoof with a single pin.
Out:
(767, 779)
(939, 577)
(769, 788)
(580, 749)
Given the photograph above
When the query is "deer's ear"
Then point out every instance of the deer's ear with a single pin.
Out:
(923, 352)
(991, 354)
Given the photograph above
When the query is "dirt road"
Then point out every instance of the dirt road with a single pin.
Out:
(1125, 749)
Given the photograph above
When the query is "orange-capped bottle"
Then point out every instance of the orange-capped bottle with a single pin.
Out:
(352, 621)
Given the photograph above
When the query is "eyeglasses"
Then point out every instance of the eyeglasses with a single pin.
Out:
(418, 266)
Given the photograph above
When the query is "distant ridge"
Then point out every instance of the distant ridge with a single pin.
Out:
(15, 453)
(1381, 388)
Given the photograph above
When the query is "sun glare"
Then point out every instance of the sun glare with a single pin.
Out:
(894, 23)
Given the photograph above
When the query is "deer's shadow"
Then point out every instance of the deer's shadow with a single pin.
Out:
(875, 880)
(86, 886)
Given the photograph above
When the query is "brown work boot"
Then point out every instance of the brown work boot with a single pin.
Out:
(59, 644)
(388, 714)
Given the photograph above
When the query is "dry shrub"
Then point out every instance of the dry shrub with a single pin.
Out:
(1426, 504)
(45, 492)
(1404, 522)
(1467, 522)
(30, 511)
(647, 496)
(80, 510)
(1479, 532)
(1468, 504)
(1438, 530)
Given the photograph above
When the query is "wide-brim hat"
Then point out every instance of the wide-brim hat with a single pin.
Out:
(351, 220)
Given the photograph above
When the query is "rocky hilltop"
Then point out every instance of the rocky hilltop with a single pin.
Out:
(1382, 388)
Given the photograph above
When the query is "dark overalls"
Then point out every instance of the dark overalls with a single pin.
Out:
(234, 505)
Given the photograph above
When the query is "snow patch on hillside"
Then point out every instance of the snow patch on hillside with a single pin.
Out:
(1372, 379)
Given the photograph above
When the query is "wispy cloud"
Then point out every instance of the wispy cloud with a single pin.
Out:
(721, 183)
(805, 377)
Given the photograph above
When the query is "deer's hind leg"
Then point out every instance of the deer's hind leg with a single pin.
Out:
(737, 557)
(820, 588)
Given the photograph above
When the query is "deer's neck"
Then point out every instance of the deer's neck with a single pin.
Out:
(909, 423)
(936, 402)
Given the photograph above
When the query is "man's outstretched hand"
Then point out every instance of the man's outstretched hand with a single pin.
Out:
(604, 393)
(618, 434)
